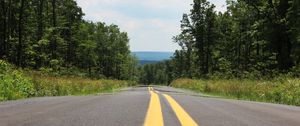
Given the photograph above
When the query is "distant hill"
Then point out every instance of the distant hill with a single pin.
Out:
(152, 57)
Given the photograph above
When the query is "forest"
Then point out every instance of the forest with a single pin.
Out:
(48, 49)
(251, 51)
(253, 39)
(51, 35)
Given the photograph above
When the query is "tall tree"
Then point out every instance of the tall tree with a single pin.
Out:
(20, 47)
(53, 45)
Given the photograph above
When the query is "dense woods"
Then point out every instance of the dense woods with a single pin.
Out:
(252, 39)
(251, 51)
(50, 35)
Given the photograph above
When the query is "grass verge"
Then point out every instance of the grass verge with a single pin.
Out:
(17, 84)
(61, 86)
(282, 90)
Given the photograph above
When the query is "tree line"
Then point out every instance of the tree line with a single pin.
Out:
(42, 34)
(253, 38)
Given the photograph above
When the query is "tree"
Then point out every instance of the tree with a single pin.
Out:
(87, 55)
(252, 37)
(63, 41)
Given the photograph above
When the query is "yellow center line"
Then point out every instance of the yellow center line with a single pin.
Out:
(154, 115)
(184, 118)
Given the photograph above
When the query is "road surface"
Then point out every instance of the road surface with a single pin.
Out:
(145, 106)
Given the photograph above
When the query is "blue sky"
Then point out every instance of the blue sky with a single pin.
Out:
(150, 24)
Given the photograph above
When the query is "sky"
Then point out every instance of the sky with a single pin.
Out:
(150, 24)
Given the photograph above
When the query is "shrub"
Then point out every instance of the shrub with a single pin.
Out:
(13, 84)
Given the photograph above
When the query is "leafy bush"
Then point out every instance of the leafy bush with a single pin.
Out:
(13, 84)
(282, 90)
(295, 71)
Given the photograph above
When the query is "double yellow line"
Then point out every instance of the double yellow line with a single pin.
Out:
(155, 117)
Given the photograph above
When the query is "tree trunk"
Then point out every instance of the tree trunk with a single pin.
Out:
(189, 61)
(3, 29)
(40, 32)
(20, 42)
(53, 43)
(40, 20)
(8, 31)
(284, 49)
(284, 45)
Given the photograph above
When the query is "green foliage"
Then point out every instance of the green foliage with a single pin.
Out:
(51, 35)
(154, 74)
(13, 84)
(283, 90)
(250, 40)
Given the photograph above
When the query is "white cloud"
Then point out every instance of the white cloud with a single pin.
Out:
(146, 34)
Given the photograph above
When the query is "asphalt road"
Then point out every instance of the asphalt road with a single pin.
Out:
(145, 106)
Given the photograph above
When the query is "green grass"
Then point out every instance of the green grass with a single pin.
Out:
(282, 90)
(18, 84)
(60, 86)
